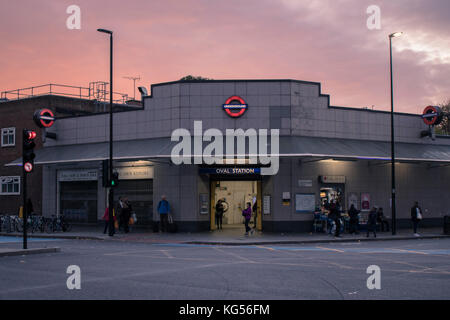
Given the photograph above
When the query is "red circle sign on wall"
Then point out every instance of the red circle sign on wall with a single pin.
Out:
(432, 115)
(44, 118)
(235, 106)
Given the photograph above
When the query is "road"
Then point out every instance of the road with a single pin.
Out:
(411, 269)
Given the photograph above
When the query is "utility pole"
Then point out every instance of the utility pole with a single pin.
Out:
(134, 84)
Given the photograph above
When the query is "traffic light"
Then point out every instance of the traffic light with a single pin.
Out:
(115, 179)
(28, 149)
(105, 173)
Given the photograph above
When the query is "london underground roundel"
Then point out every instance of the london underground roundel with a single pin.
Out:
(44, 118)
(432, 115)
(235, 106)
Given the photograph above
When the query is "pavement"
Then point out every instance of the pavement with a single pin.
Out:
(230, 235)
(12, 248)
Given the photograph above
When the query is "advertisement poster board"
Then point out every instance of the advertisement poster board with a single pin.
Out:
(353, 200)
(365, 201)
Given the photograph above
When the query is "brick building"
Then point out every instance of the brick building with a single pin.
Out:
(16, 115)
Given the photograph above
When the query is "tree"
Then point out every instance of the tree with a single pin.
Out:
(193, 78)
(444, 126)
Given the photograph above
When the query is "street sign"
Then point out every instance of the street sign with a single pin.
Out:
(44, 118)
(28, 167)
(432, 115)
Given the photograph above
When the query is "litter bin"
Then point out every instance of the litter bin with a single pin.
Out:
(446, 224)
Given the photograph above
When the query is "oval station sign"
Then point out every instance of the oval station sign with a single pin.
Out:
(44, 118)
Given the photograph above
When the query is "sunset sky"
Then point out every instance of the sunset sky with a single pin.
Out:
(163, 40)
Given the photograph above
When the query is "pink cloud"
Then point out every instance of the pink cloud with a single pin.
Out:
(325, 41)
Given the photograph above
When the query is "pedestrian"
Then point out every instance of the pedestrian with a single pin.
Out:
(163, 210)
(119, 210)
(219, 214)
(125, 214)
(336, 214)
(372, 222)
(381, 219)
(330, 216)
(247, 214)
(106, 219)
(354, 219)
(416, 216)
(255, 214)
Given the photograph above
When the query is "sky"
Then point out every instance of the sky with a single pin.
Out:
(326, 41)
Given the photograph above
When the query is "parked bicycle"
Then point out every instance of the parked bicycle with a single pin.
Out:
(36, 223)
(57, 223)
(12, 223)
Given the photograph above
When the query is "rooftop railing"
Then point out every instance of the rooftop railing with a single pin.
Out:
(96, 91)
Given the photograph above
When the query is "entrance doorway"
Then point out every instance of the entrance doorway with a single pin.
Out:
(332, 193)
(235, 196)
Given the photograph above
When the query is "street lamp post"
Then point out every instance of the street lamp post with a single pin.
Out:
(110, 173)
(394, 214)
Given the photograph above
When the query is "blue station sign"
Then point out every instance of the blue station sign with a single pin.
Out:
(230, 171)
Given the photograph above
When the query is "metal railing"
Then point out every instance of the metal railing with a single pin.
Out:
(92, 93)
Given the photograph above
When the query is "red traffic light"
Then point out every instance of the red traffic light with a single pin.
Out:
(30, 135)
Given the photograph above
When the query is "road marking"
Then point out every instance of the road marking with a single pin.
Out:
(410, 251)
(235, 255)
(330, 249)
(167, 254)
(268, 248)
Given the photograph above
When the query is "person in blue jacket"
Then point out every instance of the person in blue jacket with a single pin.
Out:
(163, 210)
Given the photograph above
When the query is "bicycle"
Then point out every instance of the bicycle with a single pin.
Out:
(36, 223)
(57, 223)
(16, 224)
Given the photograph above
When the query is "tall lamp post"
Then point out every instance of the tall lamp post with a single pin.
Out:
(394, 214)
(110, 173)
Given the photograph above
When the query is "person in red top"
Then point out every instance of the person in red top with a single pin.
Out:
(106, 219)
(247, 213)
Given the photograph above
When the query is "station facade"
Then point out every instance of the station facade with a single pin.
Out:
(325, 152)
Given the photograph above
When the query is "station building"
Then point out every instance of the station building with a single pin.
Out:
(325, 152)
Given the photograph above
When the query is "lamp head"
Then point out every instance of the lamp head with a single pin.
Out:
(105, 31)
(395, 34)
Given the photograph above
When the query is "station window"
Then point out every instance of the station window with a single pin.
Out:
(8, 137)
(10, 185)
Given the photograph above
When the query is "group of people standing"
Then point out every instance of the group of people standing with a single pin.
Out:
(123, 212)
(375, 216)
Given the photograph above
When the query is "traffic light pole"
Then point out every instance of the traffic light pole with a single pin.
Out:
(24, 212)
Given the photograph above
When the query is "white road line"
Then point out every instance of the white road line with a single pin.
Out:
(167, 254)
(235, 255)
